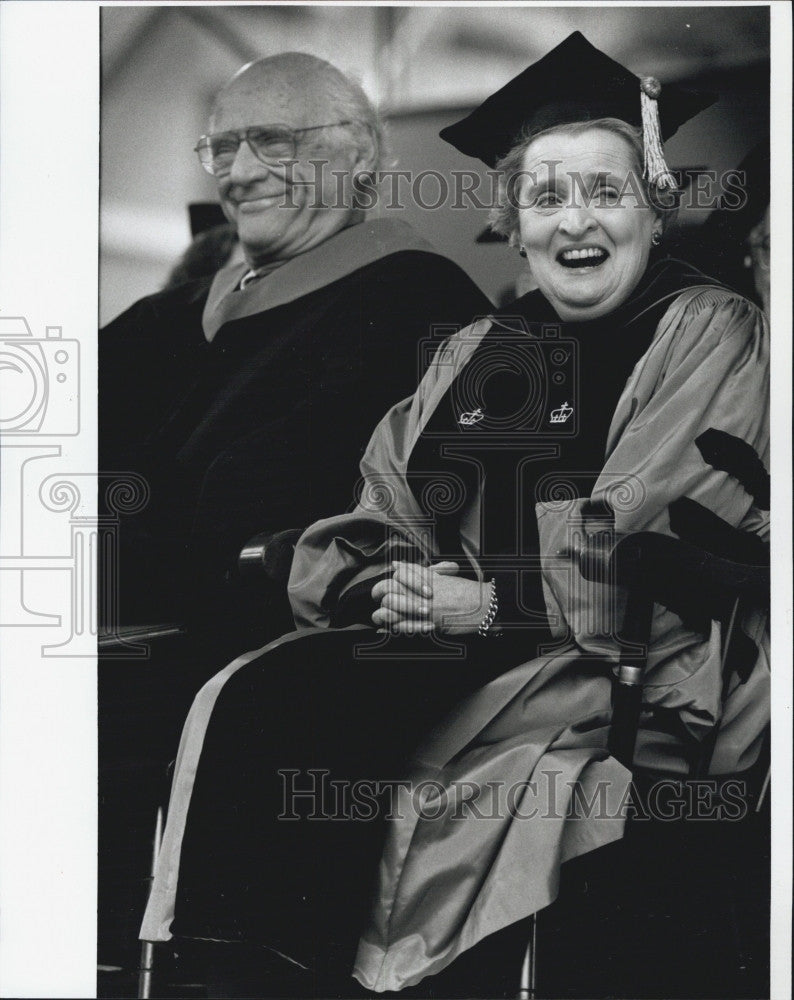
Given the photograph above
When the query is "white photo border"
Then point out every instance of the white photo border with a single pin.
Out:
(49, 191)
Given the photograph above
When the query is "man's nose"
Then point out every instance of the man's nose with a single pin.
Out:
(576, 220)
(246, 167)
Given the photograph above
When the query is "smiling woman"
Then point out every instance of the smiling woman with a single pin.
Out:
(576, 201)
(587, 251)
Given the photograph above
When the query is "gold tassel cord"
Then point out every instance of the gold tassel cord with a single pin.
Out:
(656, 170)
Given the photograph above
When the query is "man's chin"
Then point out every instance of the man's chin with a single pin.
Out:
(259, 246)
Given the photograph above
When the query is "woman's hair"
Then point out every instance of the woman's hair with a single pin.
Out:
(504, 217)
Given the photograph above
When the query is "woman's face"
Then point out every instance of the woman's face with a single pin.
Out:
(584, 221)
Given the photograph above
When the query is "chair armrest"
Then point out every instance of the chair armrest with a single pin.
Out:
(656, 568)
(126, 636)
(269, 555)
(265, 559)
(660, 563)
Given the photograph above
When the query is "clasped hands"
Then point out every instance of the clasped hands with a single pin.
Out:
(417, 600)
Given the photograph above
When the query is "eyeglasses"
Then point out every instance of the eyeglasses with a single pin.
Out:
(268, 143)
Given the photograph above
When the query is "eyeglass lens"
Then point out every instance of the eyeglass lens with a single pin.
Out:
(270, 145)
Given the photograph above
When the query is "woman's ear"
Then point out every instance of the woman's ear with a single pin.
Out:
(657, 232)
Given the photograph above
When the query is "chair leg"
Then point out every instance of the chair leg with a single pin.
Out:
(528, 984)
(146, 969)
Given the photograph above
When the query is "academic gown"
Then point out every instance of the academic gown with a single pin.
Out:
(521, 727)
(247, 411)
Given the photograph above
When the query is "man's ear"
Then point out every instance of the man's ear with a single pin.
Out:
(366, 153)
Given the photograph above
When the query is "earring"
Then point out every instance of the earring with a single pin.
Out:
(522, 251)
(656, 238)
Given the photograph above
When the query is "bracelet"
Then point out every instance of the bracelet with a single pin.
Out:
(491, 613)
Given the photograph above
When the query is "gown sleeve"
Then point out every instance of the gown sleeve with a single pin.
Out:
(707, 367)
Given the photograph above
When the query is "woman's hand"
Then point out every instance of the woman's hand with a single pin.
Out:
(417, 600)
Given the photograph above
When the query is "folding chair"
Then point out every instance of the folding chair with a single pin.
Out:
(144, 700)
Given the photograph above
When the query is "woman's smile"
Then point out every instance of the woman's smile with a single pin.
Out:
(582, 258)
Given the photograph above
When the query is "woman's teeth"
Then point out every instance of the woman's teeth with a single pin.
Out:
(588, 257)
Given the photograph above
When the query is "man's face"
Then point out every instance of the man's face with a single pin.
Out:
(280, 212)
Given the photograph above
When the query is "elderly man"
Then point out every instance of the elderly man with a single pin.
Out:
(246, 400)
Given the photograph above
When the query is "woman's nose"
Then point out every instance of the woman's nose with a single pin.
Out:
(576, 220)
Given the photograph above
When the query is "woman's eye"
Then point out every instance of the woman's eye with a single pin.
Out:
(608, 196)
(548, 199)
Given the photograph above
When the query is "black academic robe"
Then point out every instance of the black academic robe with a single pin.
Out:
(248, 411)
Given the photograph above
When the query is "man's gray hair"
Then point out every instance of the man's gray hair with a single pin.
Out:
(335, 91)
(350, 102)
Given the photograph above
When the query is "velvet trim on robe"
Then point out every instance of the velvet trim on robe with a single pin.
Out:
(347, 251)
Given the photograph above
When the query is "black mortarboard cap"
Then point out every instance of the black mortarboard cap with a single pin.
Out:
(573, 82)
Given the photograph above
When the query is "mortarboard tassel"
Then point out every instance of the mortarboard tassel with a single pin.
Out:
(656, 170)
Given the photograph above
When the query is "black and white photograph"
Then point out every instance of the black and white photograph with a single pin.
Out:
(395, 554)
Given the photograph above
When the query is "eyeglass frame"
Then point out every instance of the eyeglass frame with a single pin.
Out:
(243, 135)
